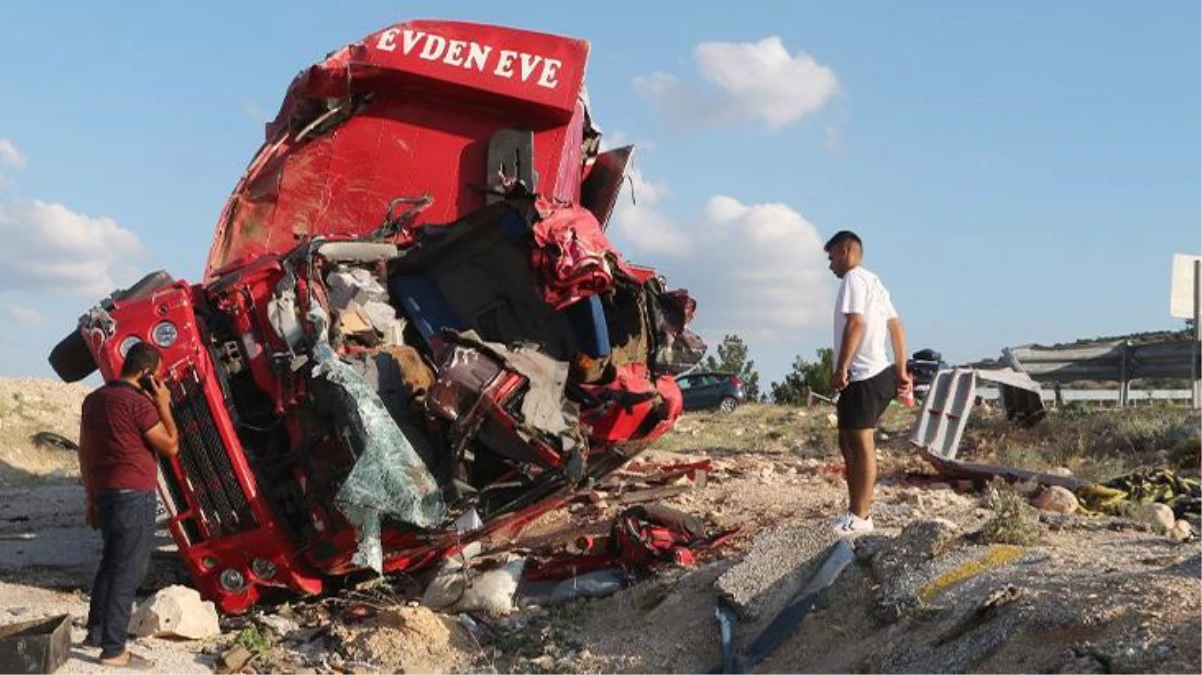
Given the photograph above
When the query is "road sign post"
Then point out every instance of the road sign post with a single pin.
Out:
(1186, 302)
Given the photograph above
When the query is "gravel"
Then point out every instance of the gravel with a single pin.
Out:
(779, 562)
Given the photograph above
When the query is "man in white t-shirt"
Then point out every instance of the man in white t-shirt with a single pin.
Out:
(865, 377)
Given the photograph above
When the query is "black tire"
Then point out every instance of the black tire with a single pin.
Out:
(71, 359)
(145, 286)
(49, 439)
(728, 404)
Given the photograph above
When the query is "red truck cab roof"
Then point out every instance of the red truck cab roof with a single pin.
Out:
(408, 111)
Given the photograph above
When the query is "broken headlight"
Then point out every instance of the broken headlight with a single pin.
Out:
(126, 344)
(164, 334)
(232, 580)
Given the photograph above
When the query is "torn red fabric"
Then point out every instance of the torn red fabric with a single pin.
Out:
(572, 257)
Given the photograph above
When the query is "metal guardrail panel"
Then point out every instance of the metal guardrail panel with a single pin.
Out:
(1111, 362)
(944, 413)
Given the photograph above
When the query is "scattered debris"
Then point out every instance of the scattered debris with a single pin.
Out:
(479, 586)
(944, 413)
(37, 646)
(234, 660)
(49, 439)
(955, 468)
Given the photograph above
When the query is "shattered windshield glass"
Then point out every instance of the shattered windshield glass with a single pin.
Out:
(389, 477)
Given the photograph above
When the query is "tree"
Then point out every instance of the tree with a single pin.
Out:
(806, 377)
(732, 358)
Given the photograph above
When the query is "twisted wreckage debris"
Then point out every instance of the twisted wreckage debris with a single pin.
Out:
(412, 331)
(941, 420)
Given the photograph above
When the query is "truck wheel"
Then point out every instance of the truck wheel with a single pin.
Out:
(71, 359)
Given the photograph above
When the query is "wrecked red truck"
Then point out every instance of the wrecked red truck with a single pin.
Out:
(412, 330)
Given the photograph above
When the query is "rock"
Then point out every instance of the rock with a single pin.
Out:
(1158, 515)
(1057, 500)
(928, 537)
(1061, 471)
(777, 564)
(1181, 531)
(833, 420)
(281, 625)
(175, 611)
(234, 660)
(940, 486)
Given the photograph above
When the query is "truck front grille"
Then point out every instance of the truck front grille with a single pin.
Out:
(206, 463)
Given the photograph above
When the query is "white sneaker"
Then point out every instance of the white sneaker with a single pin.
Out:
(850, 524)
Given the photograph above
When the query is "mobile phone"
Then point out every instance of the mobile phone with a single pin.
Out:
(147, 383)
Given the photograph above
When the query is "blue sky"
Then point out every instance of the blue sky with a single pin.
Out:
(1020, 172)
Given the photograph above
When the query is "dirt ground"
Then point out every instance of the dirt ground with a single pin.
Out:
(1092, 594)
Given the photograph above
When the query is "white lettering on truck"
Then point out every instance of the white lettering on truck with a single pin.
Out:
(543, 71)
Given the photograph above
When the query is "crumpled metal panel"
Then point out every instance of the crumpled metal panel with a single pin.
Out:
(1019, 394)
(389, 477)
(945, 410)
(405, 111)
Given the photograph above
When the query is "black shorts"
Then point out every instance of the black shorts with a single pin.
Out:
(862, 403)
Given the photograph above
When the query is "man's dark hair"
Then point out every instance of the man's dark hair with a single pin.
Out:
(140, 357)
(842, 237)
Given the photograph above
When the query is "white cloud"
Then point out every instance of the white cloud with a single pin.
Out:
(758, 81)
(10, 155)
(48, 247)
(24, 315)
(766, 271)
(637, 220)
(757, 270)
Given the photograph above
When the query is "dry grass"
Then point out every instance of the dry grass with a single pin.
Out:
(772, 429)
(1093, 442)
(28, 406)
(1014, 521)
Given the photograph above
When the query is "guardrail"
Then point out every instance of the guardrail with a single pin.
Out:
(1134, 396)
(1119, 362)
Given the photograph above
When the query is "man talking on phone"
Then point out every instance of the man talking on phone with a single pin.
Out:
(124, 424)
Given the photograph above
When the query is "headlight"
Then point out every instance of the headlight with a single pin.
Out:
(164, 334)
(126, 344)
(232, 580)
(263, 568)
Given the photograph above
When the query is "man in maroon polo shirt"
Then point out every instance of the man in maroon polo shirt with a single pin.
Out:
(124, 423)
